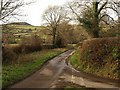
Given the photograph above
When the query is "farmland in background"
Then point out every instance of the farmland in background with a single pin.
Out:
(14, 33)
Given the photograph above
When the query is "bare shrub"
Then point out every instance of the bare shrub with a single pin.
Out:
(8, 55)
(30, 44)
(94, 51)
(11, 53)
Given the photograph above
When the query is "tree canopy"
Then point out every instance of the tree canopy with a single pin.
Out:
(91, 13)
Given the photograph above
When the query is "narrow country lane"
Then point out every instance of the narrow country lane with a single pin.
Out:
(46, 75)
(57, 74)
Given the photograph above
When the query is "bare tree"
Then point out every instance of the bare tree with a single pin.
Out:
(91, 13)
(11, 8)
(53, 16)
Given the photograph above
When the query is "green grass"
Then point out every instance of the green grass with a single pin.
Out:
(26, 26)
(74, 59)
(109, 70)
(19, 32)
(14, 73)
(71, 46)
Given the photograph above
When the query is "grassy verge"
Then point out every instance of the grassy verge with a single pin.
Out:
(27, 64)
(75, 61)
(109, 70)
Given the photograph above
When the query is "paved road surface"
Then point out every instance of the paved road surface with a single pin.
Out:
(56, 72)
(45, 76)
(72, 76)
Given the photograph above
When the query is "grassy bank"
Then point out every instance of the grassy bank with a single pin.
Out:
(109, 69)
(98, 56)
(74, 60)
(26, 65)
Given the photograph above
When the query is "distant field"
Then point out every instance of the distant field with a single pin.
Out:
(27, 26)
(22, 28)
(16, 33)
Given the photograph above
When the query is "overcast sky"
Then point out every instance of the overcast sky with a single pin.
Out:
(34, 11)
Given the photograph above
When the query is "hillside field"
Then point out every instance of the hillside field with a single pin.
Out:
(14, 33)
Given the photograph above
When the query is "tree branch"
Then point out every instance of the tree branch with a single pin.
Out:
(105, 16)
(112, 9)
(102, 7)
(74, 12)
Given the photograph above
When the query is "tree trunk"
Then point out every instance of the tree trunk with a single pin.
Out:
(96, 33)
(54, 40)
(54, 37)
(96, 20)
(96, 27)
